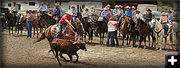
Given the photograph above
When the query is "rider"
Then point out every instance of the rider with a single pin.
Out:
(67, 18)
(57, 11)
(133, 11)
(43, 10)
(92, 13)
(164, 20)
(106, 14)
(74, 11)
(148, 16)
(170, 16)
(128, 13)
(14, 10)
(85, 14)
(138, 15)
(117, 12)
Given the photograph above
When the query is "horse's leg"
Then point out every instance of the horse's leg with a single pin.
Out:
(12, 29)
(103, 38)
(171, 40)
(144, 42)
(37, 32)
(123, 40)
(33, 31)
(141, 38)
(85, 36)
(70, 57)
(165, 42)
(9, 30)
(57, 57)
(127, 36)
(100, 38)
(76, 57)
(161, 39)
(149, 40)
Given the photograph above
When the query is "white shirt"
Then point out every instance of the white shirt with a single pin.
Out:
(139, 16)
(14, 8)
(112, 26)
(85, 14)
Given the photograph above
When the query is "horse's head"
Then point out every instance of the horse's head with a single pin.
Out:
(22, 18)
(78, 26)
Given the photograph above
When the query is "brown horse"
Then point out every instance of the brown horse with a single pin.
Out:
(21, 24)
(68, 32)
(11, 22)
(101, 29)
(41, 24)
(125, 28)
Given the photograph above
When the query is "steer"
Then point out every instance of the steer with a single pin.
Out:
(68, 47)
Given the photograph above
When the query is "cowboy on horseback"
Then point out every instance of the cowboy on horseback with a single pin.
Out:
(14, 10)
(106, 14)
(117, 12)
(148, 16)
(92, 13)
(164, 20)
(67, 18)
(57, 11)
(128, 13)
(74, 11)
(85, 15)
(43, 9)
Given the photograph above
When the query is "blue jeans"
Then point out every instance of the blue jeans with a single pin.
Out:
(29, 28)
(111, 36)
(60, 29)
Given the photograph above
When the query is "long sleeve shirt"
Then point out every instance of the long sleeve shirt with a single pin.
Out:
(74, 13)
(14, 8)
(43, 8)
(170, 17)
(148, 17)
(85, 14)
(57, 11)
(128, 13)
(106, 14)
(139, 16)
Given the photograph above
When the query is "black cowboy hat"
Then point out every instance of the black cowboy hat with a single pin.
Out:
(149, 10)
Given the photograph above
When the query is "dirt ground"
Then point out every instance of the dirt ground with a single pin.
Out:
(21, 52)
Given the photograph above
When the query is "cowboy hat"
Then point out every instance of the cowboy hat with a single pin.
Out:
(108, 5)
(163, 13)
(138, 10)
(149, 10)
(72, 6)
(127, 7)
(92, 6)
(116, 6)
(69, 12)
(133, 7)
(120, 6)
(106, 8)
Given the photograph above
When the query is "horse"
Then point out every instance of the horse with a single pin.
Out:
(11, 22)
(101, 29)
(21, 23)
(125, 28)
(41, 23)
(159, 33)
(68, 32)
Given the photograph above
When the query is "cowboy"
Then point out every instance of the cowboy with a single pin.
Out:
(133, 11)
(164, 20)
(128, 12)
(57, 11)
(112, 28)
(29, 21)
(74, 11)
(117, 12)
(85, 15)
(67, 18)
(43, 9)
(105, 14)
(92, 13)
(170, 16)
(138, 15)
(148, 16)
(14, 10)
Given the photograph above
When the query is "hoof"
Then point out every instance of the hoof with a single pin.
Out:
(75, 61)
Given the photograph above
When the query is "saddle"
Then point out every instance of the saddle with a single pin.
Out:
(55, 28)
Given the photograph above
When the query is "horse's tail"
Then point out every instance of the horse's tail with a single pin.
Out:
(41, 38)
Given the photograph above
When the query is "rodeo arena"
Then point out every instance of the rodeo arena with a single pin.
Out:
(94, 33)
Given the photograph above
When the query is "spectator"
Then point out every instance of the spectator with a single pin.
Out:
(29, 21)
(74, 11)
(57, 11)
(112, 31)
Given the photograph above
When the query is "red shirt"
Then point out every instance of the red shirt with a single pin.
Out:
(63, 19)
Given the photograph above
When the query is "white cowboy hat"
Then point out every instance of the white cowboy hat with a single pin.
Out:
(133, 7)
(72, 6)
(108, 5)
(69, 12)
(163, 13)
(127, 7)
(137, 10)
(92, 6)
(116, 6)
(120, 6)
(106, 8)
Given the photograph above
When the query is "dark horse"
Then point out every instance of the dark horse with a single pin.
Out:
(11, 22)
(68, 32)
(101, 29)
(144, 31)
